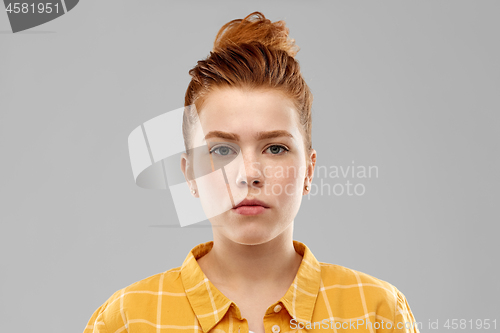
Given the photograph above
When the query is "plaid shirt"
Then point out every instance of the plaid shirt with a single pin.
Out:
(321, 297)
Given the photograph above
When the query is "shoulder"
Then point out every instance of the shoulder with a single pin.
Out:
(168, 281)
(354, 294)
(337, 274)
(359, 287)
(155, 283)
(140, 296)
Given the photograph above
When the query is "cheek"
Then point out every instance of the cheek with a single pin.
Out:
(286, 182)
(214, 194)
(212, 188)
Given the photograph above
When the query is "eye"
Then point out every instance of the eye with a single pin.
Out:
(277, 149)
(222, 150)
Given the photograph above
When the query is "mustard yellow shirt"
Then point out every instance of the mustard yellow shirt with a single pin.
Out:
(323, 297)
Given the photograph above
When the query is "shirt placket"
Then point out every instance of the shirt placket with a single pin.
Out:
(274, 319)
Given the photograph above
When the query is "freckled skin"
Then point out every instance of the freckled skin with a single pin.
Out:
(281, 173)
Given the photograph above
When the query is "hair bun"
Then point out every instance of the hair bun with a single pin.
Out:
(256, 28)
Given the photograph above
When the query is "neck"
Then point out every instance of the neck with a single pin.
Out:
(240, 266)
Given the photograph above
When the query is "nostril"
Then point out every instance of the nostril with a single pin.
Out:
(254, 182)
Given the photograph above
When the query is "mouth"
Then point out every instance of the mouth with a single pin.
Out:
(250, 207)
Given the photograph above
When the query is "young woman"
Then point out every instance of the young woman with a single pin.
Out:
(254, 110)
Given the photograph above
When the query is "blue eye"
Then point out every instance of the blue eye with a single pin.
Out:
(222, 150)
(277, 149)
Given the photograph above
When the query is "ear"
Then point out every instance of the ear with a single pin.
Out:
(311, 164)
(187, 170)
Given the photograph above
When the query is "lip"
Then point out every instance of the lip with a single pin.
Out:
(250, 207)
(252, 202)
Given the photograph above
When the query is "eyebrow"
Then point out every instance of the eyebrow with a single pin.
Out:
(259, 136)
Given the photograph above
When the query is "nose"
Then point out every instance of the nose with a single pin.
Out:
(250, 173)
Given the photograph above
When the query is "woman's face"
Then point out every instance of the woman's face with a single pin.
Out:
(253, 150)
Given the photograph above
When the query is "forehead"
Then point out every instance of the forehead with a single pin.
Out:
(243, 111)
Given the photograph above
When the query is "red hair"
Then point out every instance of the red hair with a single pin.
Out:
(251, 53)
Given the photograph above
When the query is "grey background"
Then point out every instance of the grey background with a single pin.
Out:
(411, 87)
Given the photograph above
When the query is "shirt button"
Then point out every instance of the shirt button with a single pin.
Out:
(277, 308)
(276, 329)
